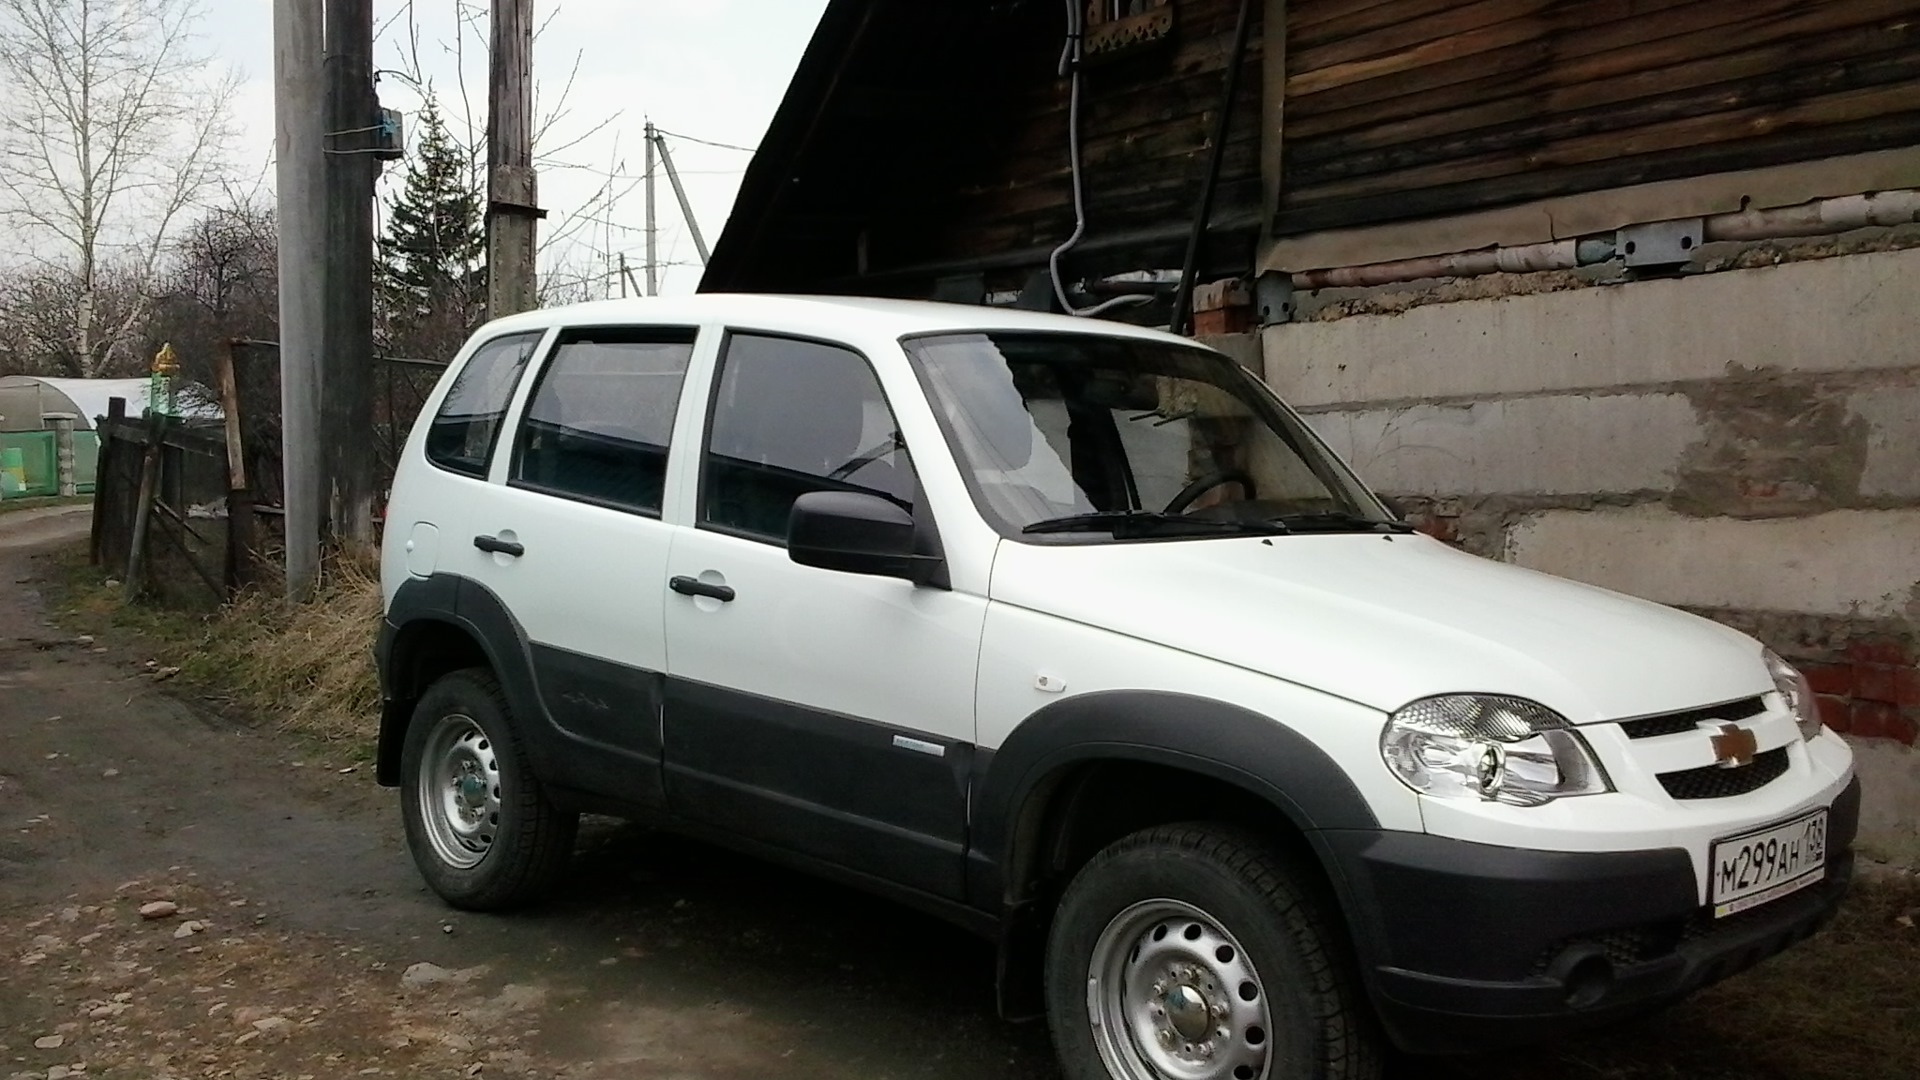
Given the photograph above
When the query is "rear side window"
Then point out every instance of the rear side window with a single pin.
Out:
(789, 417)
(601, 418)
(463, 432)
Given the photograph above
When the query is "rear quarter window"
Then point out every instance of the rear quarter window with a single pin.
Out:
(463, 432)
(599, 422)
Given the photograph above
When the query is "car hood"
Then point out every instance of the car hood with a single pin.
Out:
(1386, 620)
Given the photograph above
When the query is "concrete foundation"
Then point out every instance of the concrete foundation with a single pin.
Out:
(1744, 443)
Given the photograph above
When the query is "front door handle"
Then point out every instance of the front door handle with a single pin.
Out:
(690, 586)
(499, 546)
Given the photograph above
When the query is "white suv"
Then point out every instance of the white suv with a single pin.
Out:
(1072, 633)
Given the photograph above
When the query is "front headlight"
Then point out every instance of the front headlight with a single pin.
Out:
(1796, 692)
(1494, 749)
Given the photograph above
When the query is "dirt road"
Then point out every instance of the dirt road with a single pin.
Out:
(294, 938)
(660, 959)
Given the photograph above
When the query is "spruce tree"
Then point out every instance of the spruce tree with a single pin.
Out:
(432, 278)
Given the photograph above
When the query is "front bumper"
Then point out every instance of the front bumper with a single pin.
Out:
(1470, 947)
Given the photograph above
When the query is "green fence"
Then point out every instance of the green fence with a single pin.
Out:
(27, 463)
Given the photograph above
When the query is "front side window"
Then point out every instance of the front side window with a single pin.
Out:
(1080, 436)
(600, 419)
(789, 417)
(463, 432)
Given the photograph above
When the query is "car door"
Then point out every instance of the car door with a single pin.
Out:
(827, 713)
(571, 541)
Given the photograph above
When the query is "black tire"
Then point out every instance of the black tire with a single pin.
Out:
(527, 839)
(1321, 1025)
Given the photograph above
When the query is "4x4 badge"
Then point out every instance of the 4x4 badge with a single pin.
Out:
(1734, 746)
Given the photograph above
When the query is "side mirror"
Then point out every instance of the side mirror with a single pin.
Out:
(856, 534)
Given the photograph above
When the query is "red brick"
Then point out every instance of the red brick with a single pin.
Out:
(1829, 678)
(1836, 713)
(1907, 689)
(1875, 720)
(1876, 682)
(1879, 651)
(1440, 528)
(1906, 726)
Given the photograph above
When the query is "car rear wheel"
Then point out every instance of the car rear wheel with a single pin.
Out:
(1193, 952)
(482, 830)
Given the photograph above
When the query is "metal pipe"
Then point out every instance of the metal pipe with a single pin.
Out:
(1189, 269)
(1820, 217)
(1070, 56)
(1553, 255)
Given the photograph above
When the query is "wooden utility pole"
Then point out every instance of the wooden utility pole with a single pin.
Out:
(353, 117)
(653, 245)
(512, 204)
(300, 213)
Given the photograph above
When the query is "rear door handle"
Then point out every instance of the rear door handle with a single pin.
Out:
(499, 546)
(689, 586)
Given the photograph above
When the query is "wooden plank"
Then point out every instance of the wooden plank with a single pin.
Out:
(1606, 55)
(169, 516)
(143, 506)
(239, 548)
(1633, 43)
(1482, 72)
(1684, 134)
(1338, 157)
(1317, 23)
(1480, 103)
(1451, 23)
(1879, 132)
(1301, 82)
(103, 473)
(1308, 14)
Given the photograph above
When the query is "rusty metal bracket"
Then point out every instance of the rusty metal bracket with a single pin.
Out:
(1660, 244)
(1130, 31)
(1273, 298)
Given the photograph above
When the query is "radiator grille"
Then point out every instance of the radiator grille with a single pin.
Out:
(1675, 723)
(1715, 782)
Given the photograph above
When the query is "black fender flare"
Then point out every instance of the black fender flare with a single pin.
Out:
(467, 606)
(1234, 745)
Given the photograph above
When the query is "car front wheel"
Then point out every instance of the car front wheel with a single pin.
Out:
(1192, 952)
(483, 832)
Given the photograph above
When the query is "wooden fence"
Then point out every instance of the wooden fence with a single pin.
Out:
(187, 511)
(172, 507)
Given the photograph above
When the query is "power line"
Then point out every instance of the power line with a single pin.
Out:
(705, 142)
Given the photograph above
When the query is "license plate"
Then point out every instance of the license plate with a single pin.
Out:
(1767, 864)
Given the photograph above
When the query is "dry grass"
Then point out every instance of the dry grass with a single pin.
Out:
(304, 668)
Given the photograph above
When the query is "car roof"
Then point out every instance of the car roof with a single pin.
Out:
(825, 316)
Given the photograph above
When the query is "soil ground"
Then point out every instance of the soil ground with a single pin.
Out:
(298, 927)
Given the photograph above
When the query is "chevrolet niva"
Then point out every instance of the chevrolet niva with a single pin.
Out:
(1074, 634)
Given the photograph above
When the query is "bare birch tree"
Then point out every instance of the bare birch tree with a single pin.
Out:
(113, 123)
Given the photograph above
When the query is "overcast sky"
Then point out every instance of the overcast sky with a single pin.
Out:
(708, 69)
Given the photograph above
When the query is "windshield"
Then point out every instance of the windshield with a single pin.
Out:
(1078, 436)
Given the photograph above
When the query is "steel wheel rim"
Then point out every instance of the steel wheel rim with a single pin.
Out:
(459, 791)
(1172, 995)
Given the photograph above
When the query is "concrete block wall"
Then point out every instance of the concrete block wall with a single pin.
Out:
(1744, 444)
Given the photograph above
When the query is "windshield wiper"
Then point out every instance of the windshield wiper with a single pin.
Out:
(1339, 521)
(1144, 522)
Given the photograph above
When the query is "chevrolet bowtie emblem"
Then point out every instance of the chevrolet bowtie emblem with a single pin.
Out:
(1734, 746)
